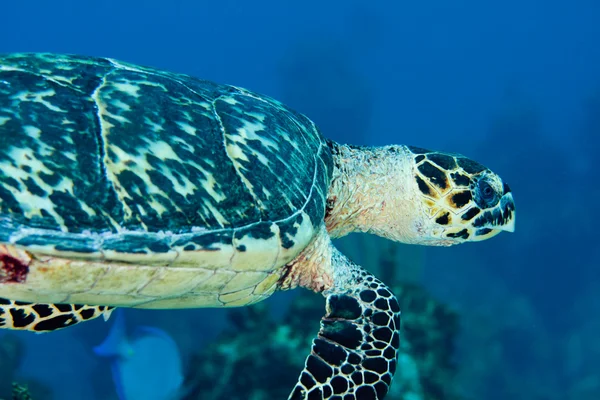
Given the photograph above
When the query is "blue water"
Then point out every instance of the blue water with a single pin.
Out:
(513, 84)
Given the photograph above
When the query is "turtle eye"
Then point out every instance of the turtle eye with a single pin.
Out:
(487, 194)
(486, 190)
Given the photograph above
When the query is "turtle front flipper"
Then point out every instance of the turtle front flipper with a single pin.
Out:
(354, 354)
(38, 317)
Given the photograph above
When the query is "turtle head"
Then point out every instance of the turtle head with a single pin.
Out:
(416, 196)
(461, 200)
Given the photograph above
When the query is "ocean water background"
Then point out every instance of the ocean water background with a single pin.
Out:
(513, 84)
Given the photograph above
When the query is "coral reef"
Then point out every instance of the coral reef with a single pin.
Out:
(20, 392)
(259, 357)
(11, 351)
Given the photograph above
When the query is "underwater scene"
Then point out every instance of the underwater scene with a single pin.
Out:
(301, 247)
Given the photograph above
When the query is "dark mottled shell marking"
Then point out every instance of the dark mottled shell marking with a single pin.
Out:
(110, 147)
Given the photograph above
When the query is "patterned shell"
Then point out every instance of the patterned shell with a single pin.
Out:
(104, 160)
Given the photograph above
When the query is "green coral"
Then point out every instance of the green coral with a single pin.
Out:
(20, 392)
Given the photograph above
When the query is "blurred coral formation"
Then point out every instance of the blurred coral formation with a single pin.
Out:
(11, 354)
(20, 392)
(11, 351)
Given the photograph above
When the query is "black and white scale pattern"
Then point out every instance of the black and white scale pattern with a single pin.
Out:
(354, 356)
(465, 197)
(103, 157)
(21, 315)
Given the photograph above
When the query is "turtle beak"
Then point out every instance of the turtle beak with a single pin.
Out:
(510, 226)
(500, 218)
(507, 207)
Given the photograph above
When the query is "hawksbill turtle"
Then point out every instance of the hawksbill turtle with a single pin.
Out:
(127, 186)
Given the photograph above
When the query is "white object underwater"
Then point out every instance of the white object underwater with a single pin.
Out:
(146, 365)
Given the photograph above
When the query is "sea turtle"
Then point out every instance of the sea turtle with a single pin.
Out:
(127, 186)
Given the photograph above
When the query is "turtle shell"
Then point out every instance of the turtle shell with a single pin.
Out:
(103, 160)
